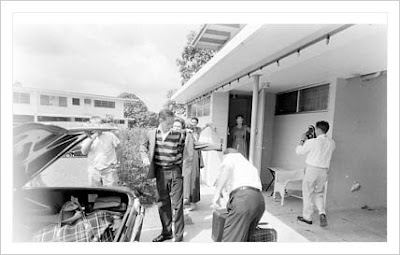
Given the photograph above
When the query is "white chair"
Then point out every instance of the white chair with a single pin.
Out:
(287, 180)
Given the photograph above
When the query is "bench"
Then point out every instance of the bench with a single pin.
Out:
(286, 180)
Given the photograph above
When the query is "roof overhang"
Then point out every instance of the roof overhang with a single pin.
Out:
(353, 51)
(215, 36)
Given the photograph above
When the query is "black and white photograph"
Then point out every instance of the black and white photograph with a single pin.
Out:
(211, 124)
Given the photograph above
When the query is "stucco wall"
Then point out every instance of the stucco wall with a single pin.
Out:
(361, 142)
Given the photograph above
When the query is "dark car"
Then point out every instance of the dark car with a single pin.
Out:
(36, 147)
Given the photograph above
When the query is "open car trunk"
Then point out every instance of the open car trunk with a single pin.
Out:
(36, 208)
(108, 214)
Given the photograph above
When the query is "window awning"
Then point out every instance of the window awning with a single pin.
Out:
(215, 36)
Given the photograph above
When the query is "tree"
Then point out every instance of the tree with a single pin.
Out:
(178, 109)
(192, 59)
(132, 109)
(138, 112)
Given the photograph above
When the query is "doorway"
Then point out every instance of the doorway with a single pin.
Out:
(239, 104)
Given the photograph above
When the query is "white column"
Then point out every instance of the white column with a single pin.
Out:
(254, 114)
(259, 143)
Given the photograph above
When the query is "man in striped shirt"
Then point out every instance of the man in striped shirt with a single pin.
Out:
(161, 150)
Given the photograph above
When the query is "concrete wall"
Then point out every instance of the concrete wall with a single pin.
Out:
(361, 142)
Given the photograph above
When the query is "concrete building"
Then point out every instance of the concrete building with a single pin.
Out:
(38, 105)
(283, 78)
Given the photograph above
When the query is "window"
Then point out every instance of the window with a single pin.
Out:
(303, 100)
(87, 101)
(286, 103)
(53, 118)
(81, 119)
(76, 101)
(21, 98)
(314, 99)
(104, 104)
(200, 108)
(44, 100)
(207, 106)
(62, 101)
(53, 100)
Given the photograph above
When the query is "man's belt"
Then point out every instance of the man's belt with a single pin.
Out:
(171, 167)
(243, 188)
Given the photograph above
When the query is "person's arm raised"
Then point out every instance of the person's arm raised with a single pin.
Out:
(88, 142)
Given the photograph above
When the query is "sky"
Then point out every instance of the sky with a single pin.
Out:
(103, 59)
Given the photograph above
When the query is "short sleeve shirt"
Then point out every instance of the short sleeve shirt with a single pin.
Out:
(241, 171)
(102, 152)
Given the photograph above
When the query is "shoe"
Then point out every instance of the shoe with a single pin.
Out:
(192, 207)
(300, 218)
(162, 238)
(186, 201)
(322, 220)
(178, 239)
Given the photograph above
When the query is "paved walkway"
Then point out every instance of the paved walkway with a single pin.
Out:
(198, 223)
(344, 226)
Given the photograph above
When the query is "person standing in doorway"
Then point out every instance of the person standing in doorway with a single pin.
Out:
(101, 148)
(319, 153)
(238, 136)
(161, 150)
(246, 204)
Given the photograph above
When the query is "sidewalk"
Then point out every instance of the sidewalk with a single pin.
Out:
(198, 223)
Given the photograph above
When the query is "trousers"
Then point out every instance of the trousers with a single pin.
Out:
(106, 177)
(245, 209)
(170, 200)
(313, 189)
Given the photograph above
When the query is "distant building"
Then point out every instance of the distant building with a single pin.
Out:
(38, 105)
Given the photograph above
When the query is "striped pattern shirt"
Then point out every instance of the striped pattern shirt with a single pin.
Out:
(168, 152)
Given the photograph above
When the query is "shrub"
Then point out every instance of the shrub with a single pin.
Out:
(131, 172)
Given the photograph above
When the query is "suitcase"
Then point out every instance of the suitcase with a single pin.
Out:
(264, 234)
(218, 222)
(261, 234)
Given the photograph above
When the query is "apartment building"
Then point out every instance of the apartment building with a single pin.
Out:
(39, 105)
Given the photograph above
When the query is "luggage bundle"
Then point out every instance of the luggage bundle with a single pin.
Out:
(264, 234)
(261, 234)
(75, 225)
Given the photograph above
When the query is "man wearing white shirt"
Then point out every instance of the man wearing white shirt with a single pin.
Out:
(246, 204)
(319, 153)
(101, 148)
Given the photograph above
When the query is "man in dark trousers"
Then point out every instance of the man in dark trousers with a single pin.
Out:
(246, 204)
(161, 150)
